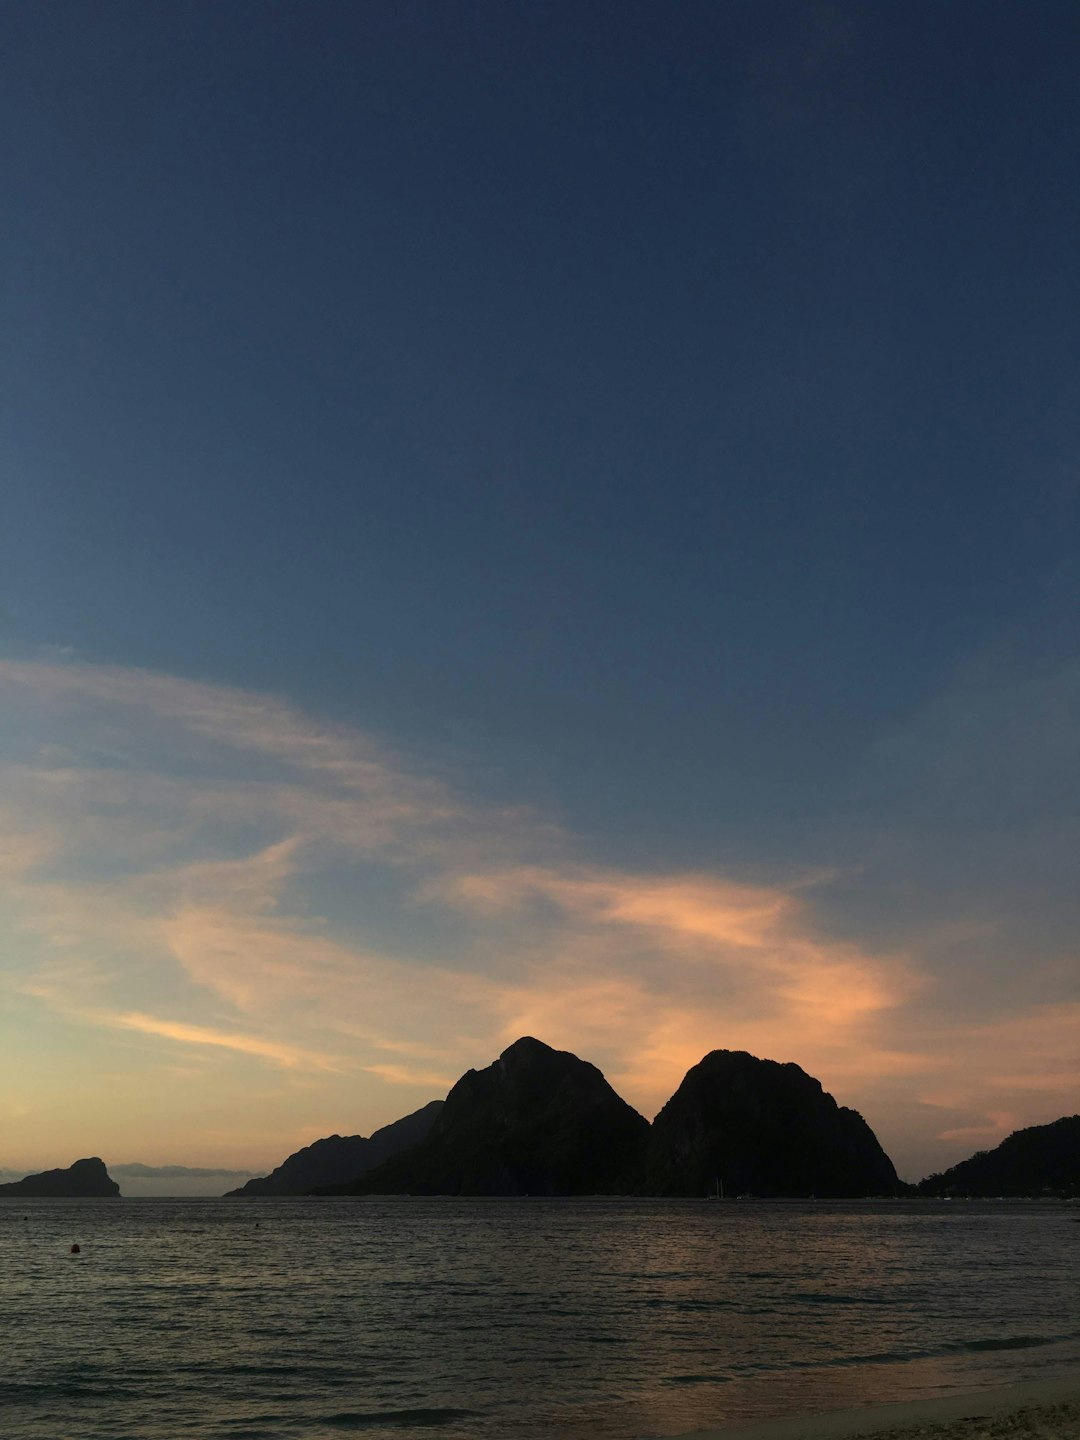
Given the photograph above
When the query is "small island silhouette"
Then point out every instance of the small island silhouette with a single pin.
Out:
(86, 1179)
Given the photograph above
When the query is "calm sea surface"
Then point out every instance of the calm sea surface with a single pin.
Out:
(491, 1319)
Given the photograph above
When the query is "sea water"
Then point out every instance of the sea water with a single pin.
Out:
(489, 1319)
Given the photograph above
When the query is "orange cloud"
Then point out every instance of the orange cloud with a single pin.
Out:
(999, 1125)
(171, 896)
(289, 1056)
(404, 1075)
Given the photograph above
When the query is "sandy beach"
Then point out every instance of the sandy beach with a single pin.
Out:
(1034, 1410)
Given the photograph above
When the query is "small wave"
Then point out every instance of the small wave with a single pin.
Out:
(826, 1297)
(399, 1419)
(322, 1373)
(15, 1391)
(903, 1357)
(683, 1306)
(1010, 1342)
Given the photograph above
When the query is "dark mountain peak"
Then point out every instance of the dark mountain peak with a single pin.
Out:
(92, 1171)
(532, 1057)
(85, 1179)
(530, 1077)
(763, 1127)
(530, 1051)
(536, 1121)
(735, 1063)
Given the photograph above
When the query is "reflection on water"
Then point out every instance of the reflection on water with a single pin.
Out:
(269, 1320)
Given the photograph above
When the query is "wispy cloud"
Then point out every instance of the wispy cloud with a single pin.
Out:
(998, 1125)
(677, 961)
(288, 1055)
(222, 876)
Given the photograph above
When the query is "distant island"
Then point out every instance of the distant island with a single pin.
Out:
(85, 1180)
(1040, 1160)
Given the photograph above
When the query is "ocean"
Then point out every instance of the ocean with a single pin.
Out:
(490, 1319)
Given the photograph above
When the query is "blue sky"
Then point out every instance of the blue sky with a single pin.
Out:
(638, 446)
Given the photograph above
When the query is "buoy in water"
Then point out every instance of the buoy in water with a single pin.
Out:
(75, 1250)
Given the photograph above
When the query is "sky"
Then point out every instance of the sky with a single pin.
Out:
(556, 519)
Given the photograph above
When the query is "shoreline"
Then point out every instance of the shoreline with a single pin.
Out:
(1026, 1410)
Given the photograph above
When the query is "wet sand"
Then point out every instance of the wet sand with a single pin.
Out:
(1034, 1410)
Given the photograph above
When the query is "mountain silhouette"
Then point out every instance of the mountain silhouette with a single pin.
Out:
(1042, 1159)
(86, 1179)
(763, 1128)
(536, 1122)
(341, 1158)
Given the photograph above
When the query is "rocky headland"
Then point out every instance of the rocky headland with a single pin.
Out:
(340, 1158)
(1039, 1160)
(86, 1179)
